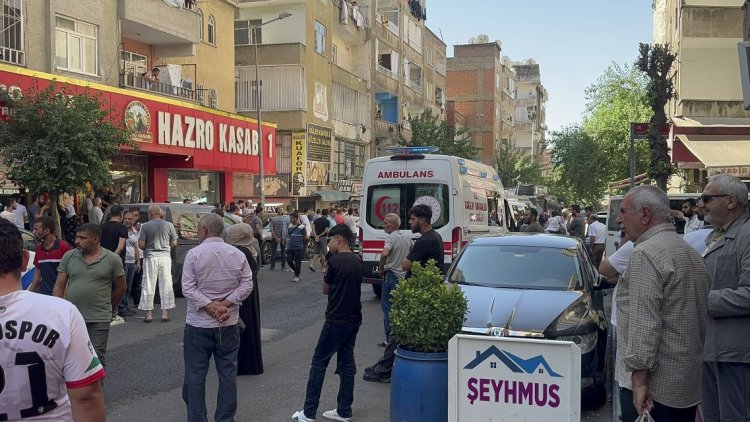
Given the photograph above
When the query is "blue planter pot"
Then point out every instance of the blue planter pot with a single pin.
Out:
(419, 387)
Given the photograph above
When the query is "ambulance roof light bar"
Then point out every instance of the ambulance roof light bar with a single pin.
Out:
(410, 153)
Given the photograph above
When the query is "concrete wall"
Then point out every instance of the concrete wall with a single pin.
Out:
(40, 36)
(289, 30)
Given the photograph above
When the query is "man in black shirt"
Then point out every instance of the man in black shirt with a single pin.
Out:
(320, 229)
(339, 333)
(428, 246)
(114, 236)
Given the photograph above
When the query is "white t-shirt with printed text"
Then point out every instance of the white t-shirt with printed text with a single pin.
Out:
(44, 351)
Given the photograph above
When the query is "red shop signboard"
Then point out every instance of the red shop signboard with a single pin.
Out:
(198, 137)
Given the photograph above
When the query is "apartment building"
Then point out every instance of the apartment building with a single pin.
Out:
(481, 84)
(190, 145)
(340, 79)
(709, 127)
(530, 108)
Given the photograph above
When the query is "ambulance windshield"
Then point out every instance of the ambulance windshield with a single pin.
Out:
(399, 198)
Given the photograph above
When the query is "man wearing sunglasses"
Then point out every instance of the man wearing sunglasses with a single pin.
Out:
(726, 368)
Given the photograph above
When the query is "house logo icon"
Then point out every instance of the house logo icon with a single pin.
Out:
(535, 365)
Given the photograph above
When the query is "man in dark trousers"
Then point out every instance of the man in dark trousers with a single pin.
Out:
(343, 317)
(428, 246)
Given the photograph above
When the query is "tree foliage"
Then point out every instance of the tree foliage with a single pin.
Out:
(656, 63)
(579, 165)
(57, 140)
(514, 166)
(428, 129)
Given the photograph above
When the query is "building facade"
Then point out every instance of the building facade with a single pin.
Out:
(190, 144)
(530, 108)
(482, 85)
(709, 127)
(340, 78)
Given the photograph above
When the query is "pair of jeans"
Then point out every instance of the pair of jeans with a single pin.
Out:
(274, 245)
(129, 276)
(99, 335)
(389, 283)
(294, 259)
(338, 338)
(199, 345)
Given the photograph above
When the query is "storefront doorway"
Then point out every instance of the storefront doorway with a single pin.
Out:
(200, 187)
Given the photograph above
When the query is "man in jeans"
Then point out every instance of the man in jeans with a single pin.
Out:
(343, 318)
(132, 262)
(394, 252)
(278, 237)
(216, 278)
(296, 235)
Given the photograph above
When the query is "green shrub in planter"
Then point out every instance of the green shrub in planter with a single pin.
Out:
(426, 313)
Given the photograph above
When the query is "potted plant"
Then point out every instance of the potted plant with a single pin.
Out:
(425, 314)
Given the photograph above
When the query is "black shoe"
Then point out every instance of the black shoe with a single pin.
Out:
(124, 314)
(375, 378)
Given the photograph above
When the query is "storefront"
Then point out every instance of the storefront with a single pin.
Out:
(184, 151)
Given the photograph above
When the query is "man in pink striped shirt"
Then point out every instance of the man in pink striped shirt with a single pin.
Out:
(216, 278)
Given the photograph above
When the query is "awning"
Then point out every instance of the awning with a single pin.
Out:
(713, 151)
(331, 195)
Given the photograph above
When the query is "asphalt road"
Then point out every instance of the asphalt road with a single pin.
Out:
(145, 365)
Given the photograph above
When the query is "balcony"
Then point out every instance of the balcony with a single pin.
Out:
(132, 80)
(524, 126)
(386, 33)
(385, 128)
(283, 88)
(172, 26)
(385, 79)
(527, 102)
(13, 56)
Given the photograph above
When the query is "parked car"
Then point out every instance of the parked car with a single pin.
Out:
(265, 249)
(537, 286)
(185, 218)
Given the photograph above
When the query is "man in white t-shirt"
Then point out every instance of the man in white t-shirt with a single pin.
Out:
(44, 349)
(611, 268)
(597, 233)
(22, 215)
(395, 250)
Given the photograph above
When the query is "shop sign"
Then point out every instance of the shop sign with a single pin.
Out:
(349, 186)
(299, 164)
(524, 379)
(737, 171)
(319, 143)
(181, 132)
(273, 185)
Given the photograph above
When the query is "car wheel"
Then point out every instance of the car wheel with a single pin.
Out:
(377, 288)
(265, 252)
(309, 250)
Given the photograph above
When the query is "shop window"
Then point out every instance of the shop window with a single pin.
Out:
(198, 187)
(200, 22)
(76, 46)
(284, 153)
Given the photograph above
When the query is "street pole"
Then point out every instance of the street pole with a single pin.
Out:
(632, 155)
(260, 120)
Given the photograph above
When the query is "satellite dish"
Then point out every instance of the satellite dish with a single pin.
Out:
(499, 43)
(483, 39)
(472, 40)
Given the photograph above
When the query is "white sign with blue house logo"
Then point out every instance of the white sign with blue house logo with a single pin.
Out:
(513, 379)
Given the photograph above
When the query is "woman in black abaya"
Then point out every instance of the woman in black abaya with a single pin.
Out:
(249, 357)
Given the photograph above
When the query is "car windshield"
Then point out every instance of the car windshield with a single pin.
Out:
(518, 267)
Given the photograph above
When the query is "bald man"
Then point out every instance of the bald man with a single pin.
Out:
(156, 240)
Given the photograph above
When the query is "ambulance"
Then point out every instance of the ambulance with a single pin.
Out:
(467, 200)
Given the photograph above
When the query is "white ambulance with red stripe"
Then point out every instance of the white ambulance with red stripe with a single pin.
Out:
(467, 200)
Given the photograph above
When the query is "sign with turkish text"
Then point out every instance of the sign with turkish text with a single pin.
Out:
(522, 379)
(299, 164)
(319, 143)
(274, 185)
(188, 134)
(737, 171)
(640, 130)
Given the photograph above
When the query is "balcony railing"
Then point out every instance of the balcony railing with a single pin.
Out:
(11, 55)
(388, 72)
(415, 85)
(283, 88)
(132, 80)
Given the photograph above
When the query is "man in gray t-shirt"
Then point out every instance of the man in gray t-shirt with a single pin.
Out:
(156, 239)
(395, 250)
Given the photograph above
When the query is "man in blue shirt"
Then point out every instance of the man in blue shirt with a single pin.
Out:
(296, 237)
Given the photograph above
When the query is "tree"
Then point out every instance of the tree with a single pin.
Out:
(514, 166)
(57, 141)
(656, 63)
(617, 98)
(428, 130)
(579, 166)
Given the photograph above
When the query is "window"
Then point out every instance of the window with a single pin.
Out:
(497, 81)
(283, 153)
(429, 56)
(398, 199)
(248, 32)
(320, 38)
(134, 63)
(211, 30)
(350, 160)
(320, 102)
(334, 54)
(76, 46)
(200, 22)
(11, 28)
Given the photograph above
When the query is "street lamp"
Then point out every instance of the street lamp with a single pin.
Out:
(282, 15)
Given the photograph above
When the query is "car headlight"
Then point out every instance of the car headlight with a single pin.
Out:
(586, 342)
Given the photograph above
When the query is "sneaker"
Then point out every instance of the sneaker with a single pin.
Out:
(117, 319)
(300, 417)
(295, 279)
(334, 415)
(383, 344)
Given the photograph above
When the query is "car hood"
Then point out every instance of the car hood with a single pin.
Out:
(529, 312)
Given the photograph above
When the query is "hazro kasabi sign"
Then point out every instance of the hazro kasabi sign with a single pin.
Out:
(513, 379)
